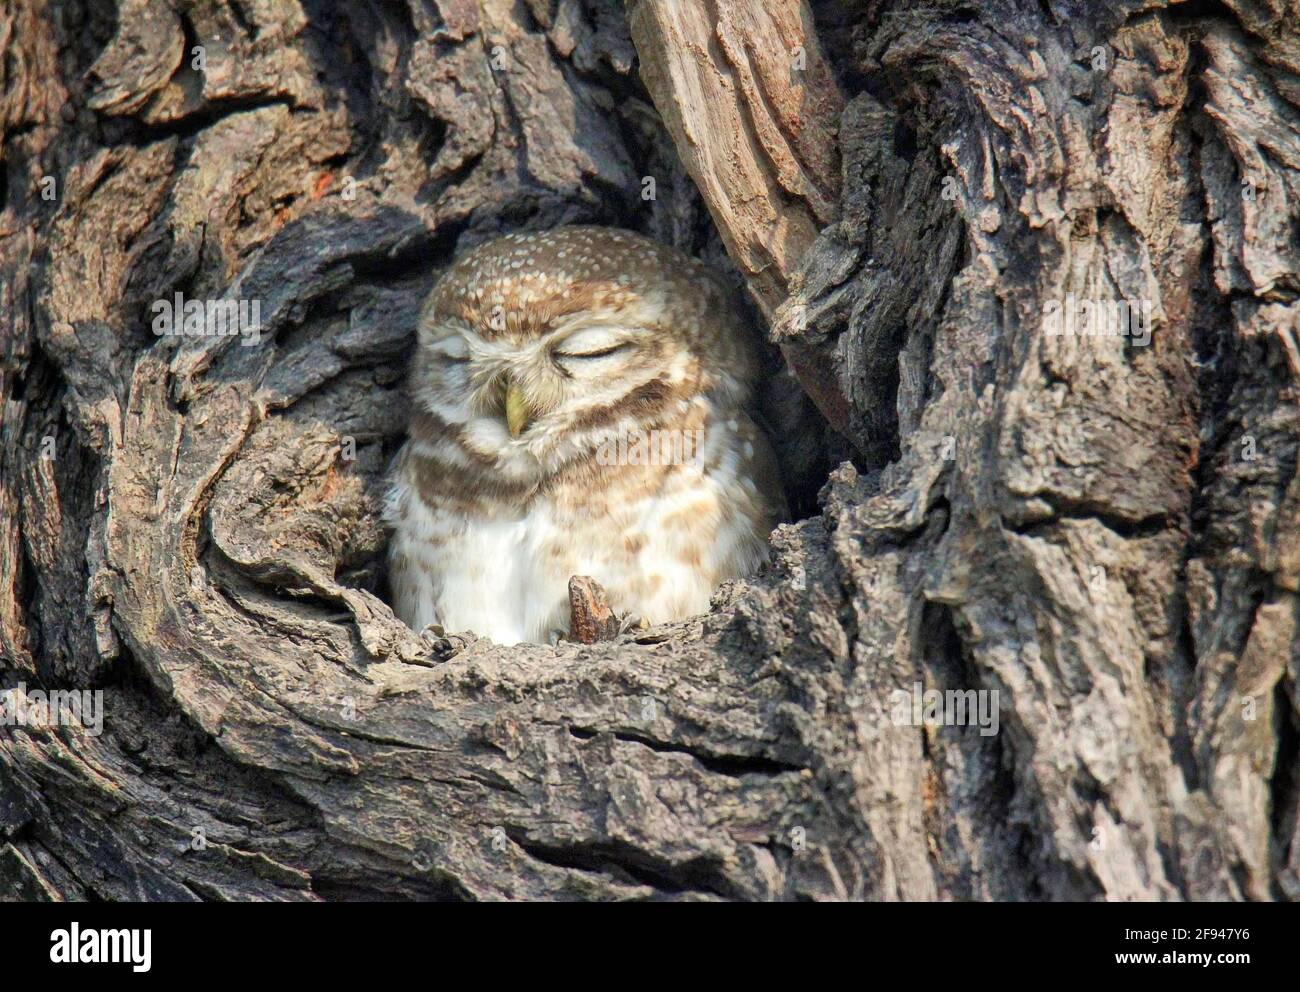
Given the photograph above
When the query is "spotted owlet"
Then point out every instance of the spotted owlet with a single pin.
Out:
(579, 407)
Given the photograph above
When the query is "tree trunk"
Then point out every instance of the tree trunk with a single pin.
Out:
(1100, 530)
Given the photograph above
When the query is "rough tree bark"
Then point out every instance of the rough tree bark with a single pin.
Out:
(1105, 534)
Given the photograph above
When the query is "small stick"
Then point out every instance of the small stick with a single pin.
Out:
(590, 618)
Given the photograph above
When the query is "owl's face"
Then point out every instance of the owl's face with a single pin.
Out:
(536, 348)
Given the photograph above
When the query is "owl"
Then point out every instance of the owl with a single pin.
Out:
(579, 406)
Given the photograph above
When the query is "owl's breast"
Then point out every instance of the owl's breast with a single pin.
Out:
(496, 579)
(659, 539)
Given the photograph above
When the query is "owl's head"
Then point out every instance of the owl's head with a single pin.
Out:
(536, 347)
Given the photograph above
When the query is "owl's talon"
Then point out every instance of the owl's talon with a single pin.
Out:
(442, 645)
(632, 622)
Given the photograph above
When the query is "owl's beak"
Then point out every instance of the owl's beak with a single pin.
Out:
(517, 410)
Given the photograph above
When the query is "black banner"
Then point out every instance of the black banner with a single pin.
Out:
(142, 942)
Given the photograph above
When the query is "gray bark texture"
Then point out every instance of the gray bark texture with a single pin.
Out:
(1105, 534)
